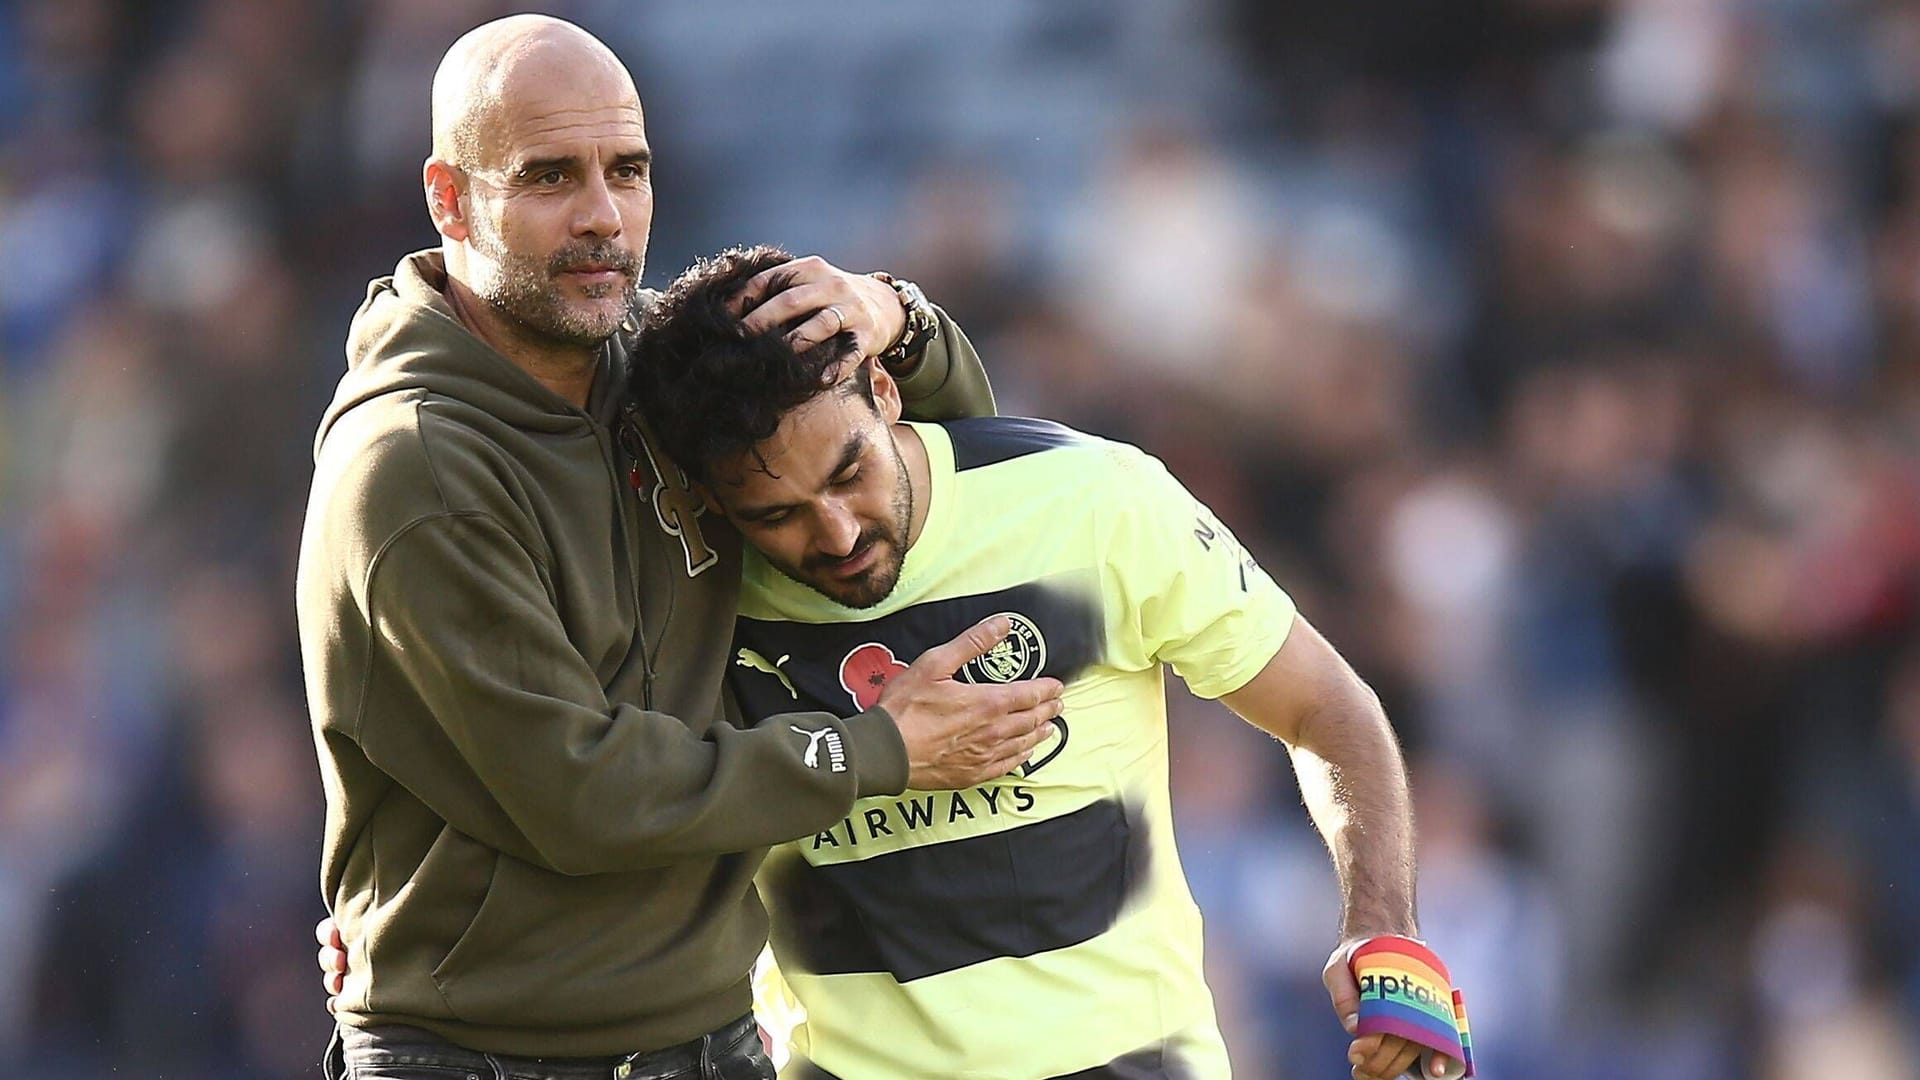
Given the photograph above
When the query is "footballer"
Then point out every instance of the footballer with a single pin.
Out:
(1038, 926)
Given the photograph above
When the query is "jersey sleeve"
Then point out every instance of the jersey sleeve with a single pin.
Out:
(1185, 591)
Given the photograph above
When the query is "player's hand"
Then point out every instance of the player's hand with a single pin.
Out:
(333, 959)
(823, 300)
(1373, 1057)
(957, 734)
(1387, 1057)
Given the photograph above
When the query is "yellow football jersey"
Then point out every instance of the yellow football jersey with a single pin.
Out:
(1038, 926)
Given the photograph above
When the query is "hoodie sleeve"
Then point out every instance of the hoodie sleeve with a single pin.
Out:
(949, 382)
(500, 727)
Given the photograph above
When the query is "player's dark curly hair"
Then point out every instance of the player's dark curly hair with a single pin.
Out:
(710, 390)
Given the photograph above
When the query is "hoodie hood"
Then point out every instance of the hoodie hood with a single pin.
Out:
(407, 337)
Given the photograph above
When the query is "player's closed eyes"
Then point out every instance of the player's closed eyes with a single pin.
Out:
(781, 517)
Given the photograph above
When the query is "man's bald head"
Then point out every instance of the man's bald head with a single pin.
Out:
(540, 183)
(495, 63)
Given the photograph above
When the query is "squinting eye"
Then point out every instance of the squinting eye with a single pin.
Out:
(550, 177)
(847, 479)
(629, 172)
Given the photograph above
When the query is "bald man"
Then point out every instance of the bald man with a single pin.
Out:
(543, 812)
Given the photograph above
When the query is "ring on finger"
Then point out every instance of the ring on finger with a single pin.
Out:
(839, 318)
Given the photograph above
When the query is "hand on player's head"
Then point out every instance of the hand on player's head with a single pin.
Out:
(819, 301)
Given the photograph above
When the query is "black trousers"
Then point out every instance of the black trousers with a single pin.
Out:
(732, 1052)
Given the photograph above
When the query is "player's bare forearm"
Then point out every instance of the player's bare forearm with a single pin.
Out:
(1351, 776)
(1355, 787)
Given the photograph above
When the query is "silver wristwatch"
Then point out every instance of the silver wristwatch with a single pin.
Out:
(920, 328)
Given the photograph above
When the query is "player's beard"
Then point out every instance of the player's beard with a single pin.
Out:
(879, 580)
(526, 288)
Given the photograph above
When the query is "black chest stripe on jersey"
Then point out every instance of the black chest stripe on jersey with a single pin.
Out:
(1149, 1063)
(1058, 633)
(989, 440)
(924, 910)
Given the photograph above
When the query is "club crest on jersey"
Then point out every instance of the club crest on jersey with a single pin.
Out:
(1022, 654)
(866, 671)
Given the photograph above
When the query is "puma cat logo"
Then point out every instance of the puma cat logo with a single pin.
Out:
(751, 659)
(836, 753)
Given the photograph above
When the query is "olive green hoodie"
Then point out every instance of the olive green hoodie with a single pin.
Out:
(543, 817)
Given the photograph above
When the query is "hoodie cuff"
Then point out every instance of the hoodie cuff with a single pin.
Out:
(879, 754)
(948, 382)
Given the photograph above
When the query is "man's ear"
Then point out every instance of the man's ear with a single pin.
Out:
(886, 392)
(706, 495)
(445, 185)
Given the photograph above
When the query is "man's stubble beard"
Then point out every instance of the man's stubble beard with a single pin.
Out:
(879, 582)
(525, 288)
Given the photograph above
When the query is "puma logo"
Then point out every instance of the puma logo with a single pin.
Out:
(836, 753)
(751, 659)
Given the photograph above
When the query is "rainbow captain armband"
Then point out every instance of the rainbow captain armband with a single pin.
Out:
(1405, 990)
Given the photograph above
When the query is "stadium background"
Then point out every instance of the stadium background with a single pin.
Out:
(1562, 357)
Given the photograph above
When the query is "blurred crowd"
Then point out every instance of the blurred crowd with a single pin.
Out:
(1561, 357)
